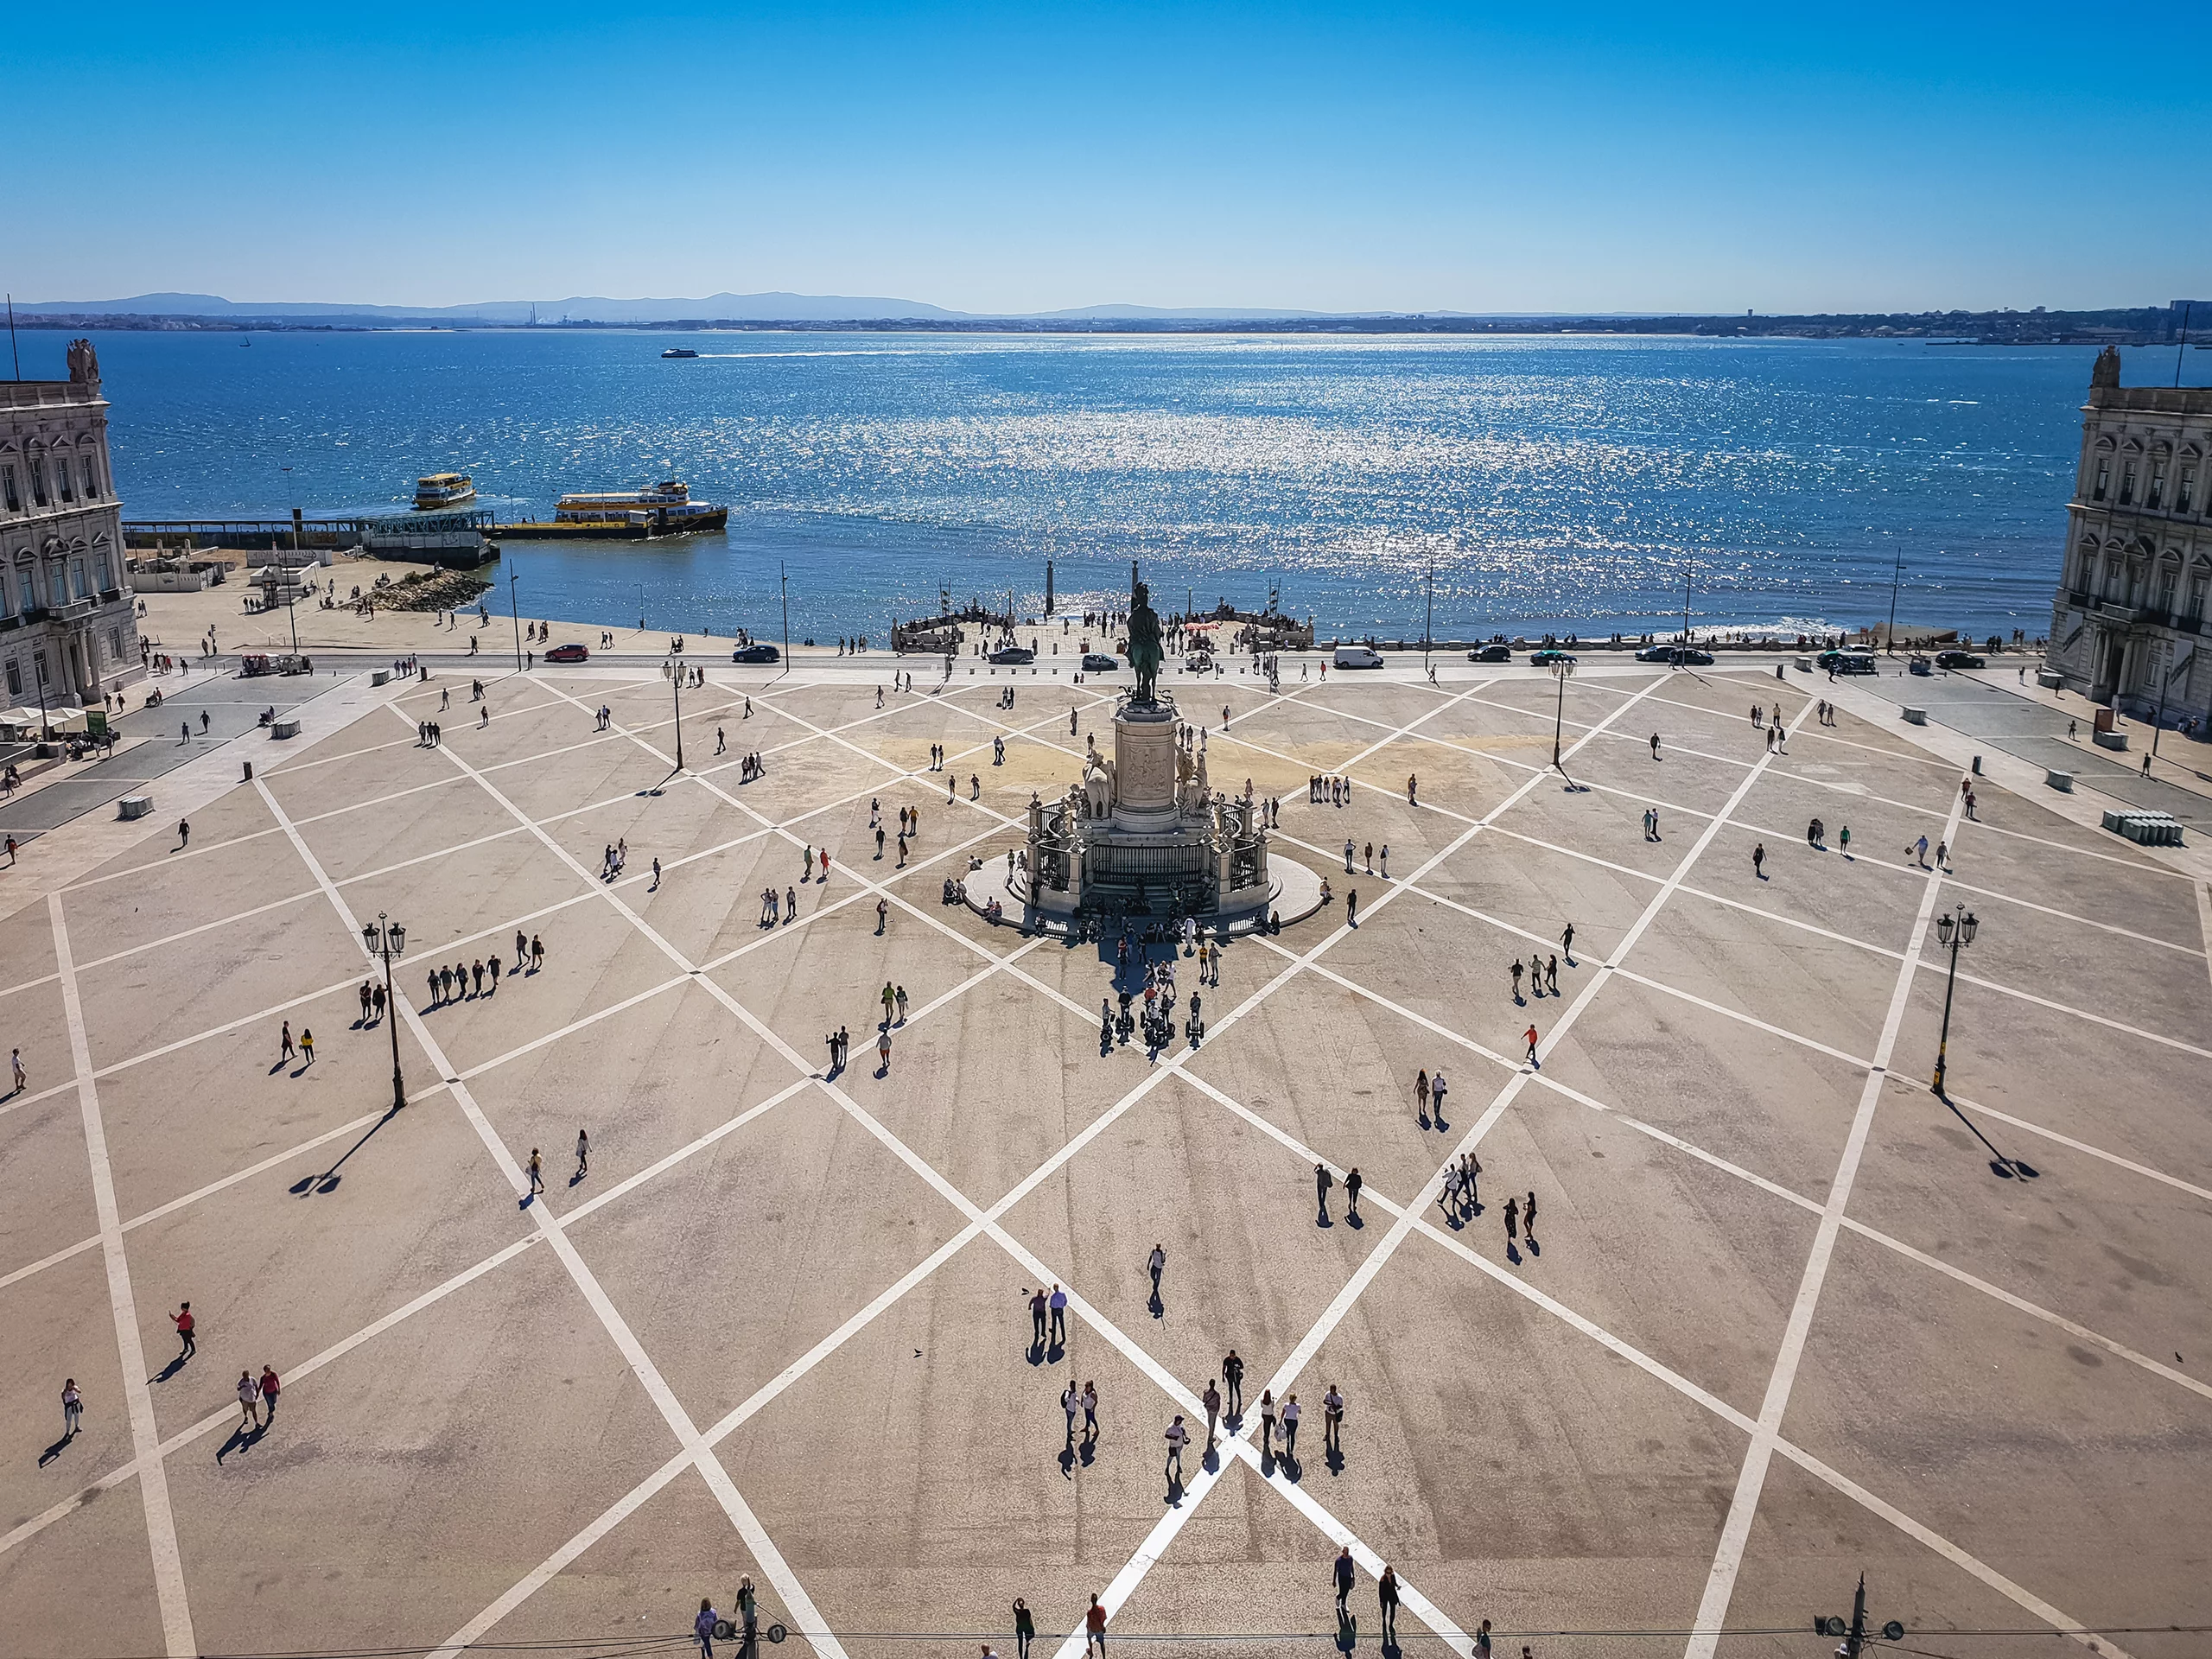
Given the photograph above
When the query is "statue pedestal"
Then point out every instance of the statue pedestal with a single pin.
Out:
(1144, 765)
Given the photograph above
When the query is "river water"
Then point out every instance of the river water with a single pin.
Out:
(1548, 483)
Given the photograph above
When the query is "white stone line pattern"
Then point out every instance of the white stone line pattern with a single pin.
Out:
(1743, 1508)
(771, 1562)
(152, 1478)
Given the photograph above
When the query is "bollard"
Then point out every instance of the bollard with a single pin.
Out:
(1977, 766)
(249, 773)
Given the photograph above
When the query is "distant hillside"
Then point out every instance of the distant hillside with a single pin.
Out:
(737, 308)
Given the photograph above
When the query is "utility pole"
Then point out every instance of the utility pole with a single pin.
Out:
(676, 684)
(784, 581)
(2180, 349)
(1428, 626)
(1897, 580)
(514, 609)
(1686, 570)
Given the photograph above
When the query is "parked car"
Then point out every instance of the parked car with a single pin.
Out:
(1357, 656)
(1097, 662)
(572, 653)
(1490, 654)
(1960, 659)
(1689, 655)
(756, 654)
(1016, 654)
(1846, 662)
(1549, 655)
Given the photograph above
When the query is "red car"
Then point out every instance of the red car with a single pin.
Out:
(570, 653)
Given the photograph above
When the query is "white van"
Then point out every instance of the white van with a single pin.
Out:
(1357, 656)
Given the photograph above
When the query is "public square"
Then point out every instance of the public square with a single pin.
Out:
(1787, 1315)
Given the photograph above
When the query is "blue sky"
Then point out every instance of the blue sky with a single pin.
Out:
(1006, 158)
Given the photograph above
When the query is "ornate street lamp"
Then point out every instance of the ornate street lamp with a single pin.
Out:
(388, 939)
(1956, 930)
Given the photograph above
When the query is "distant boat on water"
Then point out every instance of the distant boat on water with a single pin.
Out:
(679, 351)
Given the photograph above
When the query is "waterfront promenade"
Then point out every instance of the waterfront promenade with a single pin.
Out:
(1787, 1315)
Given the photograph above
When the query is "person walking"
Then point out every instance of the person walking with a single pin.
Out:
(185, 1324)
(1177, 1436)
(1037, 1300)
(22, 1078)
(1421, 1095)
(1437, 1090)
(1529, 1219)
(73, 1408)
(1655, 746)
(1058, 1304)
(702, 1627)
(1843, 841)
(1025, 1629)
(1482, 1641)
(1566, 943)
(248, 1401)
(1386, 1591)
(1529, 1036)
(287, 1053)
(536, 1173)
(1919, 851)
(1512, 1221)
(583, 1154)
(1291, 1411)
(1212, 1399)
(883, 1050)
(306, 1044)
(898, 996)
(1516, 971)
(1093, 1629)
(1551, 974)
(1344, 1573)
(1232, 1382)
(1267, 1421)
(1322, 1182)
(1332, 1420)
(1155, 1265)
(537, 953)
(1351, 906)
(1759, 859)
(1070, 1403)
(1352, 1184)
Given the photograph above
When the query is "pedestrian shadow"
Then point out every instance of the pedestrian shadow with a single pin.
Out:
(1390, 1648)
(1513, 1252)
(169, 1370)
(576, 1178)
(527, 1200)
(242, 1440)
(1292, 1470)
(1034, 1353)
(1347, 1633)
(279, 1066)
(1353, 1219)
(1157, 1308)
(1335, 1460)
(1067, 1461)
(54, 1451)
(1534, 1249)
(1322, 1219)
(1439, 1123)
(1056, 1352)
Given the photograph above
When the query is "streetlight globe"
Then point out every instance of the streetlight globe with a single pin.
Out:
(368, 935)
(1943, 926)
(1968, 926)
(398, 934)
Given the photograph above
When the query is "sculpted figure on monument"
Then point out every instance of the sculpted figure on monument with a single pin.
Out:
(84, 363)
(1144, 655)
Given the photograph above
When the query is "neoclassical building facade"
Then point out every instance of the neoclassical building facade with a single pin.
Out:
(2129, 624)
(68, 621)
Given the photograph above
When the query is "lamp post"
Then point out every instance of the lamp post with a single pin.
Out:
(388, 939)
(1896, 581)
(1682, 650)
(1561, 672)
(783, 582)
(1428, 623)
(675, 671)
(1955, 930)
(514, 610)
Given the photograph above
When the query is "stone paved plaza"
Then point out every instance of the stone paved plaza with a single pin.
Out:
(1786, 1318)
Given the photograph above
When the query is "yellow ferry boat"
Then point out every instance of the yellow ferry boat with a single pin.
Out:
(666, 509)
(442, 489)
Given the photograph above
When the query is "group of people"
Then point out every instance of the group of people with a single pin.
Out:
(1156, 1017)
(779, 910)
(1324, 789)
(468, 979)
